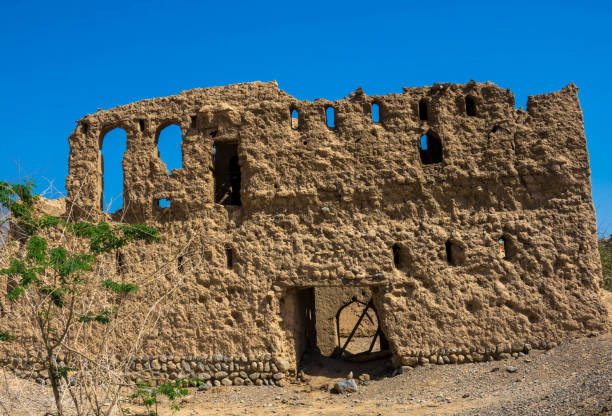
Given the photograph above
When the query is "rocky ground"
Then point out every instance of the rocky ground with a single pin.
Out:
(573, 379)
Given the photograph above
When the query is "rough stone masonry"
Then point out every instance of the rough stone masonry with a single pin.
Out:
(468, 223)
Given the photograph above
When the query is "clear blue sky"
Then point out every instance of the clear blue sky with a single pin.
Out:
(62, 60)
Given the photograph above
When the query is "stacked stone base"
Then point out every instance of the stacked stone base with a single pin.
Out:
(266, 369)
(469, 355)
(218, 370)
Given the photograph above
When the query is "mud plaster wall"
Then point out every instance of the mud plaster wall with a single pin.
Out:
(323, 207)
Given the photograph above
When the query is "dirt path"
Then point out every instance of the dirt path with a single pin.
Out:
(573, 379)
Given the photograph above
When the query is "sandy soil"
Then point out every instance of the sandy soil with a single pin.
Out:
(573, 379)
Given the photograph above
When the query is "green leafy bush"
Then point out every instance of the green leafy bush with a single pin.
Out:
(51, 280)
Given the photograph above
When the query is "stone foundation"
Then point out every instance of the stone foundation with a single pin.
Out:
(242, 370)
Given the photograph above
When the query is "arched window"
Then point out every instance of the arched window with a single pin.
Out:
(358, 329)
(295, 119)
(430, 149)
(113, 145)
(423, 110)
(169, 142)
(470, 106)
(330, 117)
(376, 113)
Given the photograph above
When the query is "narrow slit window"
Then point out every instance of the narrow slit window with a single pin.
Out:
(227, 174)
(295, 119)
(505, 247)
(470, 106)
(396, 256)
(330, 117)
(164, 203)
(449, 252)
(376, 113)
(502, 247)
(430, 149)
(229, 258)
(141, 125)
(194, 122)
(423, 110)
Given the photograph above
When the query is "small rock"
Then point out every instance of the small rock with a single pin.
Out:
(517, 346)
(411, 361)
(345, 386)
(364, 377)
(204, 387)
(283, 365)
(512, 369)
(350, 375)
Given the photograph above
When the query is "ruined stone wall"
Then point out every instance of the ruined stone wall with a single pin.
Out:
(324, 207)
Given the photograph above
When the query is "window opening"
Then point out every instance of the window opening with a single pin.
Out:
(359, 331)
(375, 113)
(430, 149)
(502, 248)
(141, 125)
(295, 119)
(470, 106)
(227, 174)
(507, 248)
(423, 110)
(396, 256)
(229, 257)
(194, 122)
(330, 117)
(84, 127)
(113, 146)
(169, 147)
(449, 252)
(164, 203)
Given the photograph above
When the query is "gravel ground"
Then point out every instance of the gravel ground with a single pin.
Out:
(573, 379)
